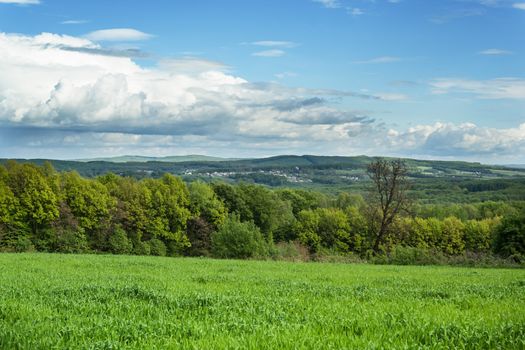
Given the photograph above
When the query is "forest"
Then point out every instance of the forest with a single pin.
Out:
(44, 210)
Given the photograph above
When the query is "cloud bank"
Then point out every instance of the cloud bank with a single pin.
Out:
(67, 97)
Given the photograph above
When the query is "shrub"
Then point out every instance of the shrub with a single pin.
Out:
(158, 247)
(23, 244)
(71, 241)
(119, 242)
(238, 240)
(142, 248)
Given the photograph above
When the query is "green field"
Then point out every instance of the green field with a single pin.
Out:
(113, 302)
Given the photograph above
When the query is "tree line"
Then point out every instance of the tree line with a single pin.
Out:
(45, 210)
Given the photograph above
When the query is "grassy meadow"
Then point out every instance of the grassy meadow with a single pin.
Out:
(53, 301)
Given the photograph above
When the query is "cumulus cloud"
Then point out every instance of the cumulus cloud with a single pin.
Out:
(80, 87)
(519, 5)
(71, 96)
(465, 139)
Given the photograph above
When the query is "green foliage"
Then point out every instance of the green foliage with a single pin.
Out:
(238, 240)
(119, 242)
(89, 201)
(345, 200)
(157, 247)
(204, 203)
(358, 229)
(269, 212)
(330, 228)
(141, 248)
(63, 212)
(301, 200)
(450, 241)
(23, 244)
(199, 234)
(478, 234)
(306, 230)
(334, 229)
(9, 217)
(510, 237)
(38, 203)
(64, 240)
(232, 200)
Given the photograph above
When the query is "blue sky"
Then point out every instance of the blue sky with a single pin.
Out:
(428, 79)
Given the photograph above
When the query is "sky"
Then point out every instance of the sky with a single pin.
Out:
(429, 79)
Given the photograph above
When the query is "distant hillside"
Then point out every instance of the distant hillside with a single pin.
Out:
(317, 168)
(168, 159)
(433, 181)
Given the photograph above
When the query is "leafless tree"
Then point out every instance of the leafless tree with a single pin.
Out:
(388, 196)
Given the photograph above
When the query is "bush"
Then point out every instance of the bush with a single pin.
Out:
(142, 248)
(119, 242)
(71, 241)
(158, 247)
(23, 244)
(238, 240)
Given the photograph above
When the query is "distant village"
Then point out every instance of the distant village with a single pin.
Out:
(293, 177)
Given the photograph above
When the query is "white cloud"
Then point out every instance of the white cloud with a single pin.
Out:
(76, 88)
(118, 34)
(82, 103)
(284, 75)
(269, 53)
(274, 43)
(20, 2)
(519, 5)
(329, 3)
(356, 11)
(190, 65)
(382, 59)
(385, 96)
(459, 140)
(495, 52)
(74, 21)
(500, 88)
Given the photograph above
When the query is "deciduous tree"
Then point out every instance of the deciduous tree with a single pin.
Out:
(387, 197)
